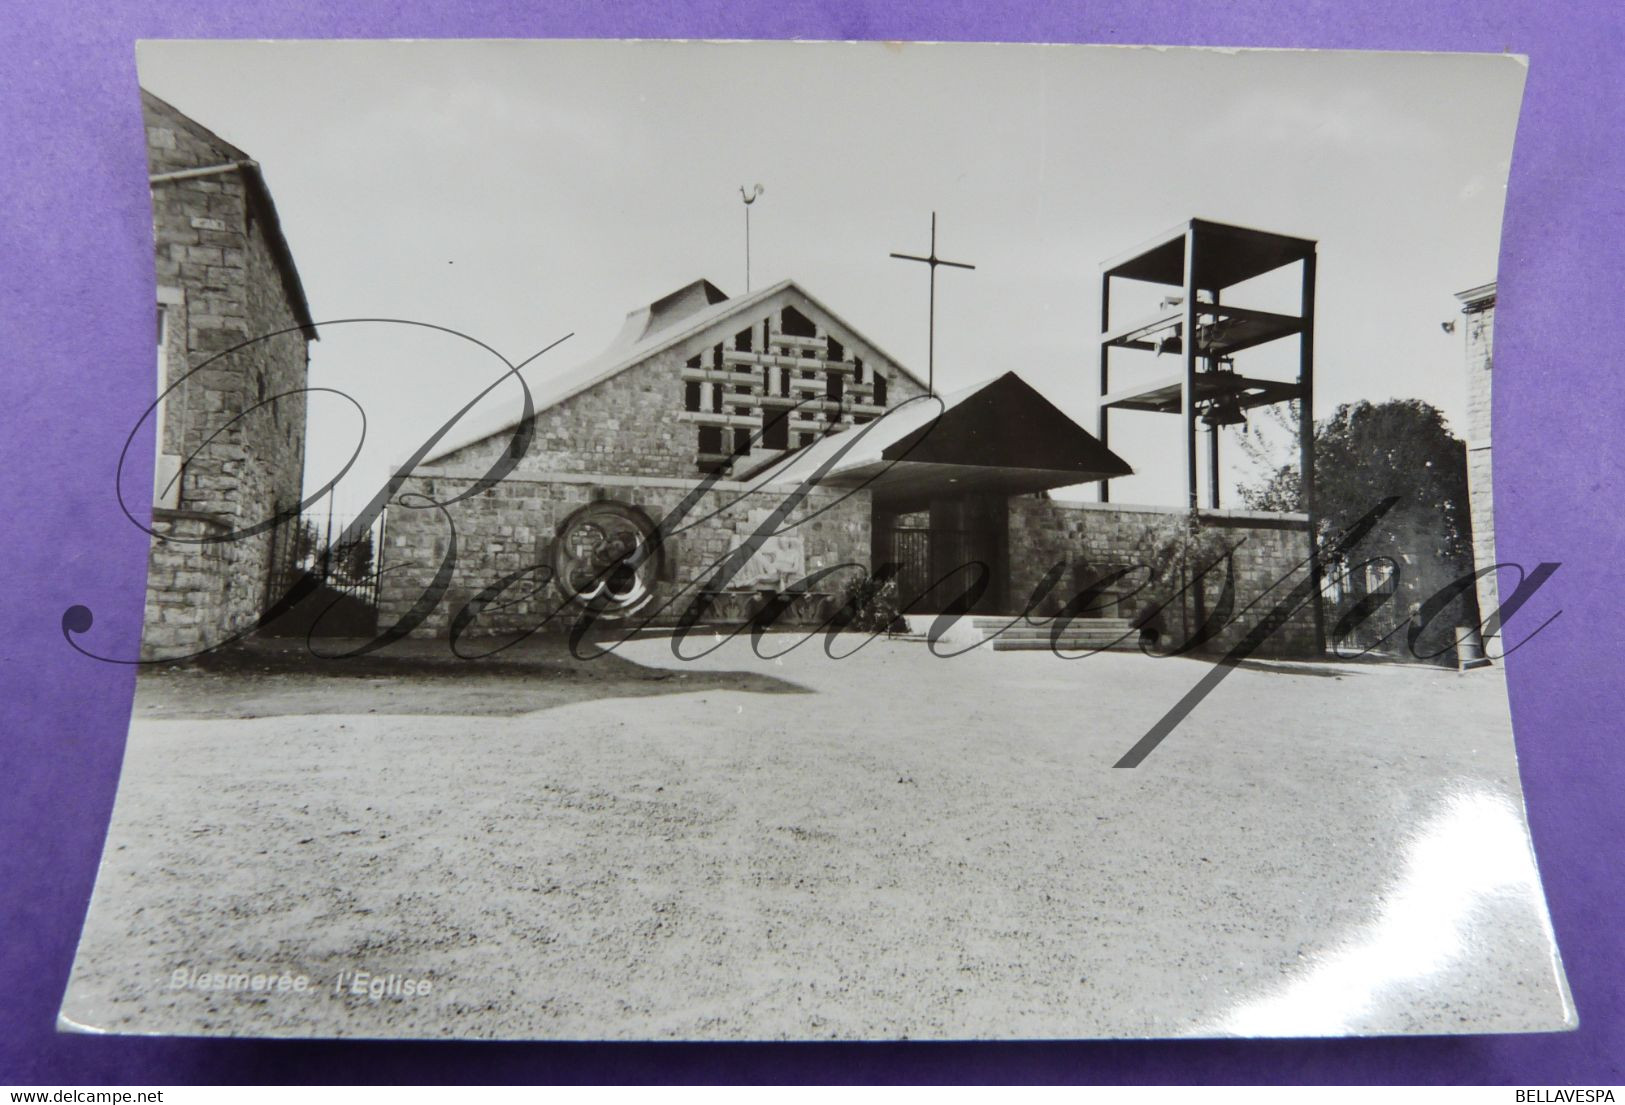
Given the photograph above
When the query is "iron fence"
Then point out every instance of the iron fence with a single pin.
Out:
(335, 562)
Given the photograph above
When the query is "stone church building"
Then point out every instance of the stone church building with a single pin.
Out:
(230, 422)
(648, 466)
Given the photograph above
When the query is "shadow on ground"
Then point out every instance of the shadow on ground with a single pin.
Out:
(1337, 667)
(273, 677)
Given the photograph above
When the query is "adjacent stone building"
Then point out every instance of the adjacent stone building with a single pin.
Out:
(232, 331)
(643, 472)
(1478, 305)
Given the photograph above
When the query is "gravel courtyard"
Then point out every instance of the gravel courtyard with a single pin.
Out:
(891, 845)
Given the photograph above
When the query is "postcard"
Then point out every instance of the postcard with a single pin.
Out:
(581, 607)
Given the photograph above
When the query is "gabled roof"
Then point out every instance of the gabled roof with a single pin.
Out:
(260, 204)
(688, 300)
(648, 330)
(1000, 435)
(1477, 299)
(226, 150)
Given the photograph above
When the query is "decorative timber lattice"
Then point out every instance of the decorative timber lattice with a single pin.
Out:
(778, 385)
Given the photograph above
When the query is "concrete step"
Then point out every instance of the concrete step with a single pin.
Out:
(1065, 644)
(1079, 635)
(1044, 635)
(1119, 625)
(1017, 633)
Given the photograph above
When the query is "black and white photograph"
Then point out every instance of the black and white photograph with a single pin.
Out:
(807, 541)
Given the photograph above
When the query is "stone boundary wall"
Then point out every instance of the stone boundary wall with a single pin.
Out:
(511, 527)
(1101, 537)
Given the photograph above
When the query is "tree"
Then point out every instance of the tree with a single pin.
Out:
(1364, 453)
(356, 559)
(306, 543)
(1269, 435)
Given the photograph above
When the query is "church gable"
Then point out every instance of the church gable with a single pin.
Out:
(771, 375)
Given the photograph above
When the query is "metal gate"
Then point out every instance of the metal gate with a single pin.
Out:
(345, 571)
(911, 552)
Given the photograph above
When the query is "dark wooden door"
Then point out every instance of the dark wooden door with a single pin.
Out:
(969, 538)
(940, 562)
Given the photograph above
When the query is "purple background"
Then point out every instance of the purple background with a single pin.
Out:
(76, 294)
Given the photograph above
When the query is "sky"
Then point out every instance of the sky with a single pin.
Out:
(518, 192)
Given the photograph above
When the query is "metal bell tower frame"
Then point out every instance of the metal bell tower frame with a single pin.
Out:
(1198, 261)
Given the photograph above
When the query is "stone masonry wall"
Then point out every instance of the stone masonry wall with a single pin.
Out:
(211, 248)
(1481, 500)
(1106, 537)
(272, 437)
(187, 584)
(511, 527)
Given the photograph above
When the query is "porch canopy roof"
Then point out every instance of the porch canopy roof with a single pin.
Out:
(1000, 436)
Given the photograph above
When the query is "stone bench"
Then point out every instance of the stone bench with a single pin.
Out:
(737, 606)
